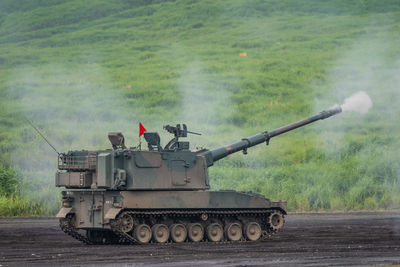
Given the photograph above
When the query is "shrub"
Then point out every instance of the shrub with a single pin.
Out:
(9, 182)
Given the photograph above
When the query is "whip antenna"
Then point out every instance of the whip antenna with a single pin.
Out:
(45, 139)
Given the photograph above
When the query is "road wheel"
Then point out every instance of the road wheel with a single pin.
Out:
(252, 231)
(215, 232)
(276, 220)
(178, 233)
(160, 233)
(195, 232)
(233, 231)
(126, 223)
(143, 233)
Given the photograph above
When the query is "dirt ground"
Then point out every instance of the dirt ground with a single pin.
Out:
(307, 239)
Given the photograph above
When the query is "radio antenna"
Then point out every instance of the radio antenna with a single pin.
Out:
(45, 139)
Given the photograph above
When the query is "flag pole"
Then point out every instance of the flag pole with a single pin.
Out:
(139, 147)
(142, 130)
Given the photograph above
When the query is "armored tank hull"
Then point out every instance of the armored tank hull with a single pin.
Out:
(139, 217)
(162, 195)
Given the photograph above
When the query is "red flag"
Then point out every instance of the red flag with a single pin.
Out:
(141, 129)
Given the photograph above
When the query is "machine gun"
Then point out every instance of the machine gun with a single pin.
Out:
(178, 132)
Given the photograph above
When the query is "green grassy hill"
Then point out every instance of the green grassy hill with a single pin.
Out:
(80, 69)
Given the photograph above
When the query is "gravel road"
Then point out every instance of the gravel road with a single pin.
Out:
(307, 239)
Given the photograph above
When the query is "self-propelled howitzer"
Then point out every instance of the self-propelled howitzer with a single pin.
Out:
(130, 195)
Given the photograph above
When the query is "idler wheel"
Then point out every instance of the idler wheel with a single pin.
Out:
(252, 231)
(160, 233)
(143, 233)
(233, 231)
(215, 232)
(126, 223)
(178, 232)
(195, 232)
(276, 220)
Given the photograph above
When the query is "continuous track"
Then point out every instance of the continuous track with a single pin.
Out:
(270, 222)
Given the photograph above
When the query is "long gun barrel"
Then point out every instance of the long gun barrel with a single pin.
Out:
(242, 145)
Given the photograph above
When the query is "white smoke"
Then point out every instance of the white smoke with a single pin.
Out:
(359, 102)
(75, 108)
(370, 66)
(205, 104)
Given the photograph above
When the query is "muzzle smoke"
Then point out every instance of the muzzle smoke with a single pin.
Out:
(359, 102)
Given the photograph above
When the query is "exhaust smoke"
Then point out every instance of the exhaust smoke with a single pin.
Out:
(359, 102)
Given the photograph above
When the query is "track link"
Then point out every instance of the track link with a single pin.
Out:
(66, 224)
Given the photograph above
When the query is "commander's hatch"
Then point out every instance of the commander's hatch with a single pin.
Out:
(153, 140)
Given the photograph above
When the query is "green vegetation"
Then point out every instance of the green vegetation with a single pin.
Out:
(80, 69)
(11, 201)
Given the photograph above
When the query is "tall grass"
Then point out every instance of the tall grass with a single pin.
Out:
(14, 201)
(15, 205)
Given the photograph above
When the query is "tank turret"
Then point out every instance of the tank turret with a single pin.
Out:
(162, 194)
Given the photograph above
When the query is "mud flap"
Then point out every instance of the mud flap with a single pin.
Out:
(112, 213)
(63, 212)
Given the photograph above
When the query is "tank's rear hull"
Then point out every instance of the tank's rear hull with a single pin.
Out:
(122, 212)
